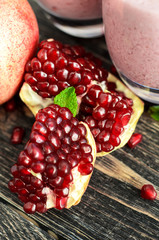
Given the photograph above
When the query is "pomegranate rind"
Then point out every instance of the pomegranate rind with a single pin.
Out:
(138, 108)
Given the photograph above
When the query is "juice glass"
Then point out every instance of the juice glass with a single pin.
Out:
(80, 18)
(132, 38)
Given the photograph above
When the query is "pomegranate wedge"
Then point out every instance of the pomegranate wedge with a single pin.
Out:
(56, 164)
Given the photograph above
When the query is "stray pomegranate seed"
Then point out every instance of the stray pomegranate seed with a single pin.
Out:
(17, 135)
(148, 192)
(10, 105)
(135, 139)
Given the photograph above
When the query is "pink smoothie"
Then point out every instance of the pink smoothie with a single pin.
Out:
(132, 36)
(73, 9)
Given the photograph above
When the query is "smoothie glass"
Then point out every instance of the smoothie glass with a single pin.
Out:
(80, 18)
(132, 38)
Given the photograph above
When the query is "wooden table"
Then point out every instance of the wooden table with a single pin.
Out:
(112, 207)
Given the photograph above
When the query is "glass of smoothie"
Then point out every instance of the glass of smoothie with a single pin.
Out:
(80, 18)
(132, 38)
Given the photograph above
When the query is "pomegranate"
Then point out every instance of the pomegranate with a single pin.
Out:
(19, 37)
(55, 166)
(109, 108)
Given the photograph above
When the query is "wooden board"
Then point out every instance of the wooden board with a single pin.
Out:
(112, 207)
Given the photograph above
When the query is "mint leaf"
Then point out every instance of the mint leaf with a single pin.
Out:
(154, 112)
(67, 98)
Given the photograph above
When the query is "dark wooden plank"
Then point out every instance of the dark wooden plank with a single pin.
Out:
(111, 208)
(15, 226)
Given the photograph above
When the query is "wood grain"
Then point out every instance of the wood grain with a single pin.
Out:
(112, 207)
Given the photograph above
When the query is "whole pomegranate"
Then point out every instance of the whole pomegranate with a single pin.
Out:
(19, 36)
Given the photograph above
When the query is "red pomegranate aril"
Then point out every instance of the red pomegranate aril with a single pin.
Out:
(35, 64)
(88, 101)
(24, 171)
(43, 87)
(37, 137)
(148, 192)
(14, 170)
(11, 186)
(61, 202)
(99, 113)
(38, 167)
(114, 140)
(10, 106)
(41, 207)
(23, 159)
(17, 135)
(22, 198)
(62, 192)
(65, 113)
(39, 126)
(44, 94)
(74, 78)
(52, 158)
(103, 136)
(104, 99)
(55, 141)
(35, 152)
(36, 182)
(34, 198)
(51, 171)
(18, 183)
(95, 132)
(85, 168)
(61, 62)
(86, 148)
(117, 128)
(62, 74)
(29, 207)
(53, 55)
(75, 134)
(23, 192)
(80, 89)
(53, 89)
(74, 66)
(63, 85)
(107, 147)
(94, 91)
(56, 182)
(90, 121)
(87, 158)
(124, 116)
(63, 168)
(40, 76)
(42, 55)
(135, 139)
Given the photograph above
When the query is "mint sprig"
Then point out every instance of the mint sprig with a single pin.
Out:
(67, 98)
(154, 112)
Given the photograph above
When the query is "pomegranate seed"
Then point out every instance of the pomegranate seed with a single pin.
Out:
(148, 192)
(17, 135)
(29, 207)
(135, 139)
(10, 106)
(85, 169)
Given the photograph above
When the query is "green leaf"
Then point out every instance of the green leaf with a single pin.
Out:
(154, 112)
(67, 98)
